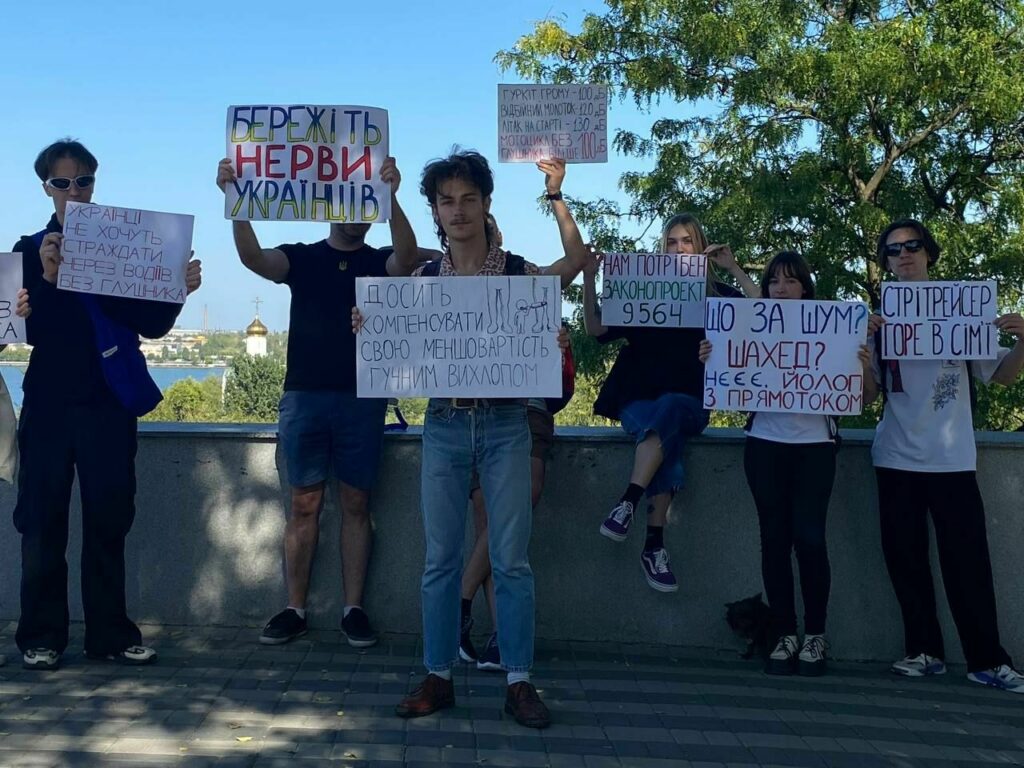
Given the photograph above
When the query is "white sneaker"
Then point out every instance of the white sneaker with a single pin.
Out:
(812, 656)
(1004, 677)
(921, 665)
(40, 658)
(133, 655)
(783, 660)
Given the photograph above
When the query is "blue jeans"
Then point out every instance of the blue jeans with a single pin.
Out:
(495, 440)
(674, 418)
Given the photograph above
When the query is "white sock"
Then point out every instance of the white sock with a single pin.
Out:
(348, 609)
(444, 674)
(300, 611)
(518, 677)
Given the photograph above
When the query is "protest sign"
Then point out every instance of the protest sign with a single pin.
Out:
(785, 356)
(125, 252)
(537, 122)
(654, 289)
(12, 327)
(306, 162)
(939, 321)
(459, 337)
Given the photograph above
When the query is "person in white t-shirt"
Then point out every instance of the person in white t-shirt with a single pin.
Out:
(925, 460)
(790, 463)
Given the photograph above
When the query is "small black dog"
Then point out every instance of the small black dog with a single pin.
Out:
(749, 619)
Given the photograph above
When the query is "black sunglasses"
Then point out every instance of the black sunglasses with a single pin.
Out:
(893, 249)
(64, 183)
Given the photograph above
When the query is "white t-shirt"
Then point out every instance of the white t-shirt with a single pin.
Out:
(928, 427)
(791, 428)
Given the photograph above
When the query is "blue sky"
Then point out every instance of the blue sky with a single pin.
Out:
(146, 88)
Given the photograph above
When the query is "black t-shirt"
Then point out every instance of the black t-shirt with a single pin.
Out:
(321, 345)
(654, 362)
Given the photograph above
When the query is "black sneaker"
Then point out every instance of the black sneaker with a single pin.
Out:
(40, 658)
(466, 650)
(356, 628)
(287, 625)
(490, 659)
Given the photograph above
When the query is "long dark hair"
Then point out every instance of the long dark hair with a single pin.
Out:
(790, 264)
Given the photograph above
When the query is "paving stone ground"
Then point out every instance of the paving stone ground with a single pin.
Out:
(217, 698)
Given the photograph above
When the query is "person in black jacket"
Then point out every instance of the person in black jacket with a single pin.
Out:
(72, 420)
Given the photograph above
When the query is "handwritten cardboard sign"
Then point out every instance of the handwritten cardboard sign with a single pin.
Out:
(785, 356)
(12, 327)
(536, 122)
(125, 252)
(658, 290)
(459, 337)
(306, 162)
(939, 320)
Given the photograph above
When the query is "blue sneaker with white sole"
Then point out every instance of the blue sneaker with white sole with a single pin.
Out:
(1003, 677)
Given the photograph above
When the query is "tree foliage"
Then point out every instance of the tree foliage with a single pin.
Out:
(814, 123)
(190, 400)
(253, 388)
(790, 124)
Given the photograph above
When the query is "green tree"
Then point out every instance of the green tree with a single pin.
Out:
(818, 123)
(190, 400)
(253, 389)
(791, 124)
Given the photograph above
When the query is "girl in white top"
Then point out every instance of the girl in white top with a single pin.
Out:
(925, 460)
(790, 462)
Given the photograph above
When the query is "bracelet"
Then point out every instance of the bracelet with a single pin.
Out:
(553, 195)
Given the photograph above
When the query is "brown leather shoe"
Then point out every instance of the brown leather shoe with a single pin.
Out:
(433, 693)
(523, 703)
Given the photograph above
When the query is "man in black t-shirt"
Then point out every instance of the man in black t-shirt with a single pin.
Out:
(323, 425)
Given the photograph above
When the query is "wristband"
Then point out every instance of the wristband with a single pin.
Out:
(553, 195)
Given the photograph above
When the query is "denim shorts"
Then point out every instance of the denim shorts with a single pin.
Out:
(321, 430)
(542, 437)
(673, 417)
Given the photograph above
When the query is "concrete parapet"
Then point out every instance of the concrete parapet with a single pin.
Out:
(206, 545)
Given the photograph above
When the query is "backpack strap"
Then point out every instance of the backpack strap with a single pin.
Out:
(883, 386)
(972, 388)
(431, 268)
(514, 265)
(121, 361)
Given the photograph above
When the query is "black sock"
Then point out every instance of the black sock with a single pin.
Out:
(467, 608)
(655, 538)
(633, 494)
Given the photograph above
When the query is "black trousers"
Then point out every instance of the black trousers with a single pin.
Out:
(792, 485)
(99, 441)
(904, 501)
